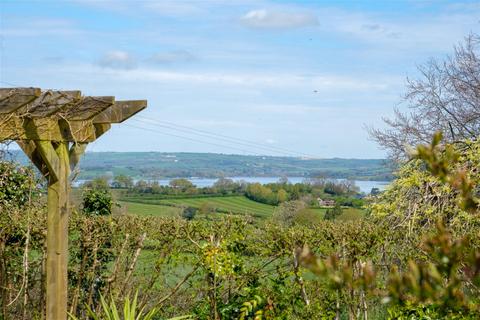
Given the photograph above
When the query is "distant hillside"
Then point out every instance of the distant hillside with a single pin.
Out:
(157, 165)
(151, 165)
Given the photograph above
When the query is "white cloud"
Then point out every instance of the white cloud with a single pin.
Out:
(272, 19)
(121, 60)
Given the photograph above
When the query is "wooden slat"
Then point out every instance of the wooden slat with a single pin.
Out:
(50, 103)
(88, 108)
(13, 98)
(120, 111)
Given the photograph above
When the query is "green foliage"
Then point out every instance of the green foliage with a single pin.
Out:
(287, 213)
(122, 181)
(282, 196)
(443, 165)
(17, 184)
(438, 183)
(417, 312)
(99, 183)
(97, 202)
(109, 311)
(251, 309)
(218, 259)
(333, 213)
(260, 193)
(206, 208)
(443, 287)
(442, 283)
(308, 216)
(181, 184)
(189, 213)
(228, 186)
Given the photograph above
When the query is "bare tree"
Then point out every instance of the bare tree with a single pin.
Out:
(445, 98)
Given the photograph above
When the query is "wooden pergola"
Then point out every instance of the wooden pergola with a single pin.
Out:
(53, 128)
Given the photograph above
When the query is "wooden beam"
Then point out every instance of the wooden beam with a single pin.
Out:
(120, 111)
(48, 129)
(13, 98)
(88, 108)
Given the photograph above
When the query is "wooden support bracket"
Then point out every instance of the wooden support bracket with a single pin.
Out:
(50, 158)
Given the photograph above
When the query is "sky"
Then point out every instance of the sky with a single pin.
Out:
(295, 78)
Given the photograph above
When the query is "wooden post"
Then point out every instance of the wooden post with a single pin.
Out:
(57, 160)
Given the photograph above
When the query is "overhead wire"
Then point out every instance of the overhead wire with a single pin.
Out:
(223, 137)
(243, 145)
(192, 139)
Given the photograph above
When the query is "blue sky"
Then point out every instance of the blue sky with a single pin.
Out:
(305, 77)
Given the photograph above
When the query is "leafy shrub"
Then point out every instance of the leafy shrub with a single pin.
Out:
(189, 213)
(17, 184)
(97, 202)
(287, 213)
(421, 194)
(333, 213)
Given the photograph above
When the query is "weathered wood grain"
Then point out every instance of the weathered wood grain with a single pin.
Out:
(13, 98)
(88, 108)
(120, 111)
(50, 103)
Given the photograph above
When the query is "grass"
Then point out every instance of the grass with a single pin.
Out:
(351, 214)
(234, 205)
(151, 206)
(319, 211)
(144, 209)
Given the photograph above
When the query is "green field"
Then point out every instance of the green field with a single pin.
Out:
(233, 205)
(144, 209)
(319, 211)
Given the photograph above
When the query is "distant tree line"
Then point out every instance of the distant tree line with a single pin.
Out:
(310, 191)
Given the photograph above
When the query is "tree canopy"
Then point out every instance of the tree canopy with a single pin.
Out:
(446, 98)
